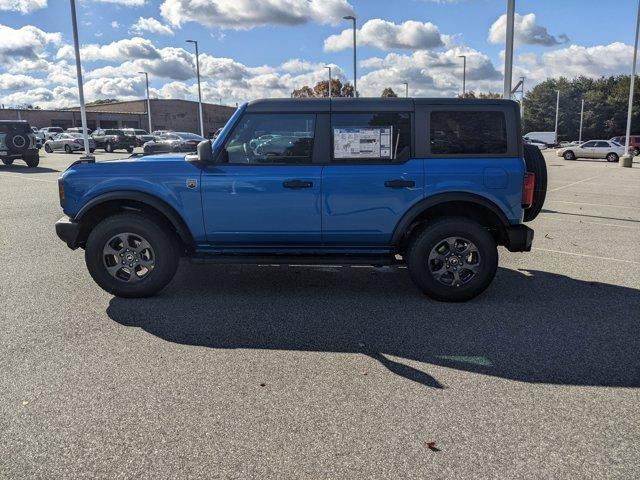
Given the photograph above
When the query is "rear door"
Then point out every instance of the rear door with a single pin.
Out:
(372, 178)
(267, 189)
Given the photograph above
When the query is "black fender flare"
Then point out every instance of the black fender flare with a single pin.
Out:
(160, 205)
(414, 212)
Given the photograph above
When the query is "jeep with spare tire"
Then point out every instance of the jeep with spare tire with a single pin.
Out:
(433, 184)
(18, 142)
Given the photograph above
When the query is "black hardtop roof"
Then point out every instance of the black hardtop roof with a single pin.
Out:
(363, 104)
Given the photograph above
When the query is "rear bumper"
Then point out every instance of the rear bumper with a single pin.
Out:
(68, 231)
(519, 238)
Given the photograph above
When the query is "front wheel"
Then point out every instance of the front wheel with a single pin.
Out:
(569, 155)
(47, 148)
(130, 150)
(108, 148)
(7, 161)
(452, 260)
(130, 255)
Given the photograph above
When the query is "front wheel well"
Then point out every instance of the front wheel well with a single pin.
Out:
(468, 209)
(105, 209)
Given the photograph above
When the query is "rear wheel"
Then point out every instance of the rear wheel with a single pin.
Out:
(108, 148)
(129, 255)
(452, 260)
(7, 161)
(32, 161)
(130, 150)
(612, 157)
(569, 155)
(67, 149)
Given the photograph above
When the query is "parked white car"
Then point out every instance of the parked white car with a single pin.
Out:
(541, 145)
(47, 133)
(69, 142)
(548, 138)
(606, 149)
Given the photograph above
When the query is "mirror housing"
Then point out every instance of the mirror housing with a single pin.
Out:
(205, 152)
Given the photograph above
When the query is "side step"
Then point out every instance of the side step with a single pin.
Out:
(261, 259)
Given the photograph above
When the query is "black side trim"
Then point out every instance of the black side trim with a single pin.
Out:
(413, 213)
(276, 259)
(169, 212)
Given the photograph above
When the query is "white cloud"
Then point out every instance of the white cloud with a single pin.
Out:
(575, 60)
(115, 24)
(129, 88)
(22, 6)
(125, 49)
(125, 3)
(526, 32)
(27, 42)
(19, 82)
(57, 97)
(384, 35)
(242, 14)
(150, 25)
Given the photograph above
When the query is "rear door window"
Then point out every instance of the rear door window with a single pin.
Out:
(468, 133)
(380, 137)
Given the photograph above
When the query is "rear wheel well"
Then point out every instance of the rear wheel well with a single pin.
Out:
(473, 211)
(99, 212)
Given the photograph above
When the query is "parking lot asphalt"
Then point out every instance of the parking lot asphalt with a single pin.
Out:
(327, 372)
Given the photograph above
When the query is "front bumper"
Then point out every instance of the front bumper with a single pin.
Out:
(519, 238)
(68, 231)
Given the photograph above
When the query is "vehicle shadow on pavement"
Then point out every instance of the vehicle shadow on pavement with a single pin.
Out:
(529, 326)
(25, 169)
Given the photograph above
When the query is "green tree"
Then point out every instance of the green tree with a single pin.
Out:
(388, 92)
(321, 89)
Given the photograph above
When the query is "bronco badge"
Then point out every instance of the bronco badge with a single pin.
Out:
(192, 183)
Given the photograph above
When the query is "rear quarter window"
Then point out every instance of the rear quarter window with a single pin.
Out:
(468, 132)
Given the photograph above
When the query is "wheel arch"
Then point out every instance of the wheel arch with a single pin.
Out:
(465, 204)
(113, 202)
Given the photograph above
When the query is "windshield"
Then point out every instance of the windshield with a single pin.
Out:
(217, 143)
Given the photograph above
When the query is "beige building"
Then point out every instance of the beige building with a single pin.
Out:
(166, 114)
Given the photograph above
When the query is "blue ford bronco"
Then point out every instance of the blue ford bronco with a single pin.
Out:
(434, 184)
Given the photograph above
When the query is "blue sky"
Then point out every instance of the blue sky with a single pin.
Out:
(268, 47)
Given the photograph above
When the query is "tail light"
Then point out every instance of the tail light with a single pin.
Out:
(528, 188)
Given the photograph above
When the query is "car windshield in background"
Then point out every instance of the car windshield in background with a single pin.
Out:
(140, 132)
(189, 136)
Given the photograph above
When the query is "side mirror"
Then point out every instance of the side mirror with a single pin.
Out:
(205, 151)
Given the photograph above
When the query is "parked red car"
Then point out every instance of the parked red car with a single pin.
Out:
(634, 142)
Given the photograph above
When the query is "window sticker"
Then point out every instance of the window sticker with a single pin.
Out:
(362, 142)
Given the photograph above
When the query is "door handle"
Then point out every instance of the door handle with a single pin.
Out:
(399, 183)
(297, 184)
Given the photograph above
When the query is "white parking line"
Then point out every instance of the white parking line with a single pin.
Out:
(586, 255)
(594, 204)
(25, 177)
(574, 183)
(564, 220)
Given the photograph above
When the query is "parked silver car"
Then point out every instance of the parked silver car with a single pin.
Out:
(69, 142)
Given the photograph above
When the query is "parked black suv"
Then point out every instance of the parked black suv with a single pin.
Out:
(18, 142)
(113, 139)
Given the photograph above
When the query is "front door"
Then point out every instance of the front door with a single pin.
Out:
(371, 179)
(267, 189)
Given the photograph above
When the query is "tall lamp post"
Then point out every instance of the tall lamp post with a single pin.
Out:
(464, 74)
(581, 115)
(146, 77)
(355, 81)
(557, 113)
(329, 68)
(83, 110)
(406, 89)
(195, 42)
(508, 54)
(627, 158)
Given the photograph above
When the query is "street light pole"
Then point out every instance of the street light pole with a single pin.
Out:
(146, 76)
(508, 54)
(522, 99)
(83, 110)
(406, 89)
(557, 112)
(329, 68)
(627, 158)
(581, 115)
(195, 42)
(355, 75)
(464, 74)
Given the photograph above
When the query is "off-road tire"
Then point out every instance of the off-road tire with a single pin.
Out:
(162, 240)
(428, 237)
(32, 161)
(17, 142)
(7, 161)
(535, 163)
